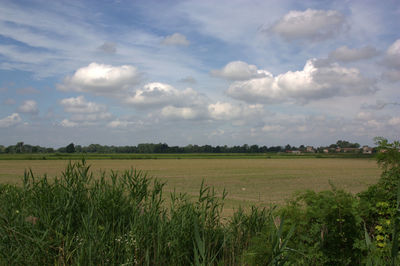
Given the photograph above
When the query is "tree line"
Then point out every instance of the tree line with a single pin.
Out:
(21, 147)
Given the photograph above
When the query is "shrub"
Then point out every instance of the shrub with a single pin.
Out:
(327, 227)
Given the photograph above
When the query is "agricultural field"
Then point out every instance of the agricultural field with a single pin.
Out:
(260, 181)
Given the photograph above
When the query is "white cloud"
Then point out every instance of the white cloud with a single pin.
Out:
(272, 128)
(229, 111)
(239, 70)
(186, 113)
(392, 57)
(392, 61)
(67, 123)
(10, 120)
(102, 79)
(80, 105)
(315, 81)
(28, 107)
(309, 24)
(120, 123)
(222, 110)
(158, 94)
(96, 117)
(176, 39)
(346, 54)
(83, 112)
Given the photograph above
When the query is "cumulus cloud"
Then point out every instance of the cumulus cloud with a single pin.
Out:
(158, 94)
(80, 105)
(120, 123)
(346, 54)
(176, 39)
(309, 24)
(391, 60)
(239, 70)
(10, 120)
(272, 128)
(102, 79)
(28, 107)
(392, 56)
(186, 113)
(221, 110)
(83, 112)
(315, 81)
(67, 123)
(230, 111)
(91, 117)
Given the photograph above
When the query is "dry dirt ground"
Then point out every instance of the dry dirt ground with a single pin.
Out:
(248, 181)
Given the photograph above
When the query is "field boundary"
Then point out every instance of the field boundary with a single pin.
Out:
(136, 156)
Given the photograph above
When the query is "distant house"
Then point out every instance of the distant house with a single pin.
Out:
(366, 150)
(295, 152)
(310, 149)
(325, 150)
(351, 150)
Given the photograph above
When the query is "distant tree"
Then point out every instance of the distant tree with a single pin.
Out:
(346, 144)
(78, 148)
(19, 147)
(254, 148)
(70, 148)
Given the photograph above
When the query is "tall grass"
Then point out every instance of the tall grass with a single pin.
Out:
(117, 220)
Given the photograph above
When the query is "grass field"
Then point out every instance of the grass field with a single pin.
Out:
(247, 181)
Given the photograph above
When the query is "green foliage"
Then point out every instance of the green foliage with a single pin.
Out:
(379, 204)
(269, 247)
(70, 148)
(327, 226)
(116, 220)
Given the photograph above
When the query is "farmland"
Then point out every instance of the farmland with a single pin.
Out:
(248, 181)
(122, 217)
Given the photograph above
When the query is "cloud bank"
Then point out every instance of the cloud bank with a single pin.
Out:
(315, 81)
(310, 24)
(102, 79)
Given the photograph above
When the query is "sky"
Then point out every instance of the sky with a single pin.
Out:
(233, 72)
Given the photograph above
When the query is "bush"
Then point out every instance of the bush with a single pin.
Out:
(327, 227)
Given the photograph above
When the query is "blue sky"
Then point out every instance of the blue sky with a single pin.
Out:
(199, 72)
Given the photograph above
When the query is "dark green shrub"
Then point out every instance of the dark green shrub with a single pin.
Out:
(379, 204)
(327, 227)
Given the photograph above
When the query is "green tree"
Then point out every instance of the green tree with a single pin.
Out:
(70, 148)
